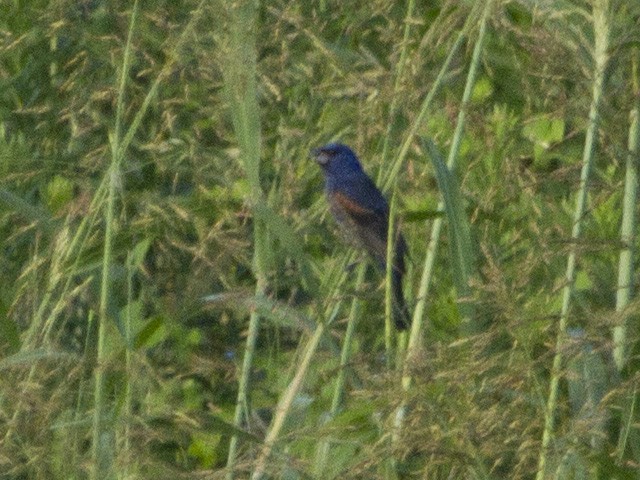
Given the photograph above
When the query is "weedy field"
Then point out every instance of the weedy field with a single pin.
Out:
(177, 303)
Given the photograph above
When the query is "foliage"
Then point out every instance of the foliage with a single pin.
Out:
(125, 336)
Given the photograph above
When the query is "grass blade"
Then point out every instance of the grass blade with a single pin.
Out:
(463, 254)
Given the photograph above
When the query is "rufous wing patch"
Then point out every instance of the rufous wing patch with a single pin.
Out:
(351, 206)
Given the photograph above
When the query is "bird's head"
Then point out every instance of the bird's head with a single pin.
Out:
(336, 159)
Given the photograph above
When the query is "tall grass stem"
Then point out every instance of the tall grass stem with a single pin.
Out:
(240, 86)
(286, 400)
(399, 71)
(102, 449)
(624, 293)
(452, 159)
(324, 446)
(601, 30)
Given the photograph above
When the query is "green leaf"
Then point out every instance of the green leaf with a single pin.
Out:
(204, 447)
(463, 254)
(137, 255)
(544, 131)
(151, 334)
(420, 215)
(58, 193)
(583, 281)
(481, 90)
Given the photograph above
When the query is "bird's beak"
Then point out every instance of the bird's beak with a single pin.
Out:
(320, 156)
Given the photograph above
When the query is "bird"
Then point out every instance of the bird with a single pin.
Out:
(362, 213)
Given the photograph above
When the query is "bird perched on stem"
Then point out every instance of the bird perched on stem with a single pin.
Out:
(363, 214)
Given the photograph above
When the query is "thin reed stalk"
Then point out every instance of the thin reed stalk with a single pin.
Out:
(102, 448)
(399, 71)
(334, 284)
(286, 400)
(422, 114)
(452, 159)
(324, 446)
(601, 30)
(624, 293)
(391, 123)
(241, 412)
(240, 78)
(389, 302)
(102, 452)
(417, 321)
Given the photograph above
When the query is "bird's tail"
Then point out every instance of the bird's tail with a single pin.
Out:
(401, 315)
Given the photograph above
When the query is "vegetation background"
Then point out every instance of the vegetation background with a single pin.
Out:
(175, 302)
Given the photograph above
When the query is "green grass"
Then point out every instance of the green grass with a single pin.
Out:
(176, 302)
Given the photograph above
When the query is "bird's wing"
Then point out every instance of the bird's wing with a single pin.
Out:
(369, 225)
(355, 209)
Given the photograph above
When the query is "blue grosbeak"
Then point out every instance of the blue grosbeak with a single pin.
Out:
(363, 214)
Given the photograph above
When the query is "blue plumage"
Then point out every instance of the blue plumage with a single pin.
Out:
(363, 214)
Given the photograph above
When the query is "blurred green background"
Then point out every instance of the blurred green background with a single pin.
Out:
(176, 302)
